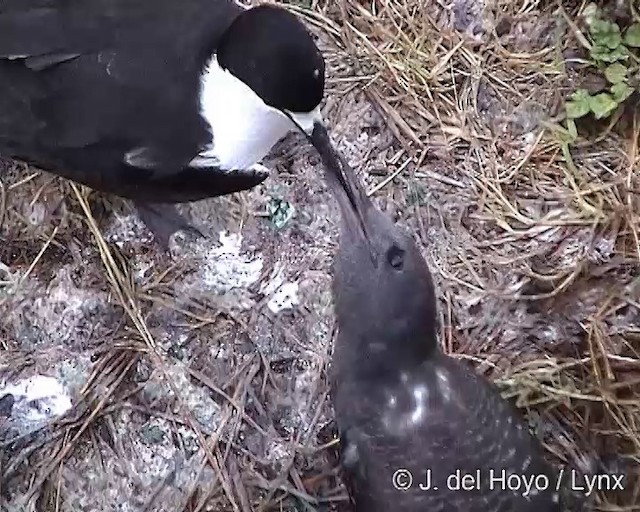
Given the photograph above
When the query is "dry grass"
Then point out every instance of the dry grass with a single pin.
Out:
(235, 483)
(535, 245)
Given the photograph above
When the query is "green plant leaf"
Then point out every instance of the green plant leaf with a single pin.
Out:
(279, 212)
(579, 104)
(576, 110)
(605, 54)
(602, 105)
(572, 129)
(580, 95)
(632, 36)
(599, 27)
(612, 41)
(616, 73)
(621, 91)
(606, 33)
(590, 13)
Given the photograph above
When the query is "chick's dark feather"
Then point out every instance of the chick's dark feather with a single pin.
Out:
(465, 426)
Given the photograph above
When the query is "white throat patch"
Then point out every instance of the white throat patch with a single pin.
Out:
(243, 127)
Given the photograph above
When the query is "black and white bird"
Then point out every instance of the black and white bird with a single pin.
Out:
(161, 102)
(413, 422)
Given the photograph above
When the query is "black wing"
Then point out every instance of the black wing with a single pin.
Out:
(113, 77)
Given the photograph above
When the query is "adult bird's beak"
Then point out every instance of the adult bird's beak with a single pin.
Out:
(306, 121)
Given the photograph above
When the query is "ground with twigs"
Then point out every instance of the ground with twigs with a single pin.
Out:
(196, 380)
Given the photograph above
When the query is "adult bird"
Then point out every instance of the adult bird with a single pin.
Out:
(413, 422)
(161, 102)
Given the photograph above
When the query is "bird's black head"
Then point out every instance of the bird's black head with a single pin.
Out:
(271, 51)
(383, 290)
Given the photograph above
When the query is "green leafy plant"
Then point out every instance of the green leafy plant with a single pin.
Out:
(614, 52)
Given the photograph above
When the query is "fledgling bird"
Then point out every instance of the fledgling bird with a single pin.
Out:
(161, 102)
(407, 413)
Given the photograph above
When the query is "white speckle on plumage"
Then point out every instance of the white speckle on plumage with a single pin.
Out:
(243, 127)
(104, 56)
(420, 393)
(525, 463)
(555, 497)
(397, 420)
(445, 386)
(404, 377)
(350, 457)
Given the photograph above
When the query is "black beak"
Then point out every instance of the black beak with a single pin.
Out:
(351, 195)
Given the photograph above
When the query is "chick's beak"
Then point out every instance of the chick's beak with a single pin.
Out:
(351, 197)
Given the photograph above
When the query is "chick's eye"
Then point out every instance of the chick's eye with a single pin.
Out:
(395, 257)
